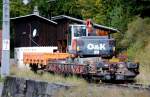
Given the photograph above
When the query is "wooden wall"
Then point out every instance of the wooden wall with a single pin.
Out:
(23, 28)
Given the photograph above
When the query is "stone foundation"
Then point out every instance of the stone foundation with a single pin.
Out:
(20, 87)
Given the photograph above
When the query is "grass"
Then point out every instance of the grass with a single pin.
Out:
(95, 91)
(82, 89)
(1, 79)
(144, 59)
(26, 73)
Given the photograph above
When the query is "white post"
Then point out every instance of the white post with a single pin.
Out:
(5, 68)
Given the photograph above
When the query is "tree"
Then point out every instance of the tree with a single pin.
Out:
(67, 7)
(92, 9)
(17, 8)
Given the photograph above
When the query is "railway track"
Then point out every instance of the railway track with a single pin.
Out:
(131, 86)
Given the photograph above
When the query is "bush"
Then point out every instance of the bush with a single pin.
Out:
(138, 42)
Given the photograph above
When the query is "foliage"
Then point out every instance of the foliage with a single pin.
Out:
(138, 32)
(17, 8)
(1, 79)
(137, 40)
(114, 13)
(92, 9)
(58, 7)
(70, 7)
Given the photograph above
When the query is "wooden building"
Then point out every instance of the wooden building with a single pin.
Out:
(34, 30)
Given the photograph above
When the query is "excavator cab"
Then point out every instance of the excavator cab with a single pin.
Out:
(75, 31)
(81, 42)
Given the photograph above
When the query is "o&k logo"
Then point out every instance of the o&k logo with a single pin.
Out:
(96, 46)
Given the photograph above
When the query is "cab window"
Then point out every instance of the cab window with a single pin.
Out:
(79, 31)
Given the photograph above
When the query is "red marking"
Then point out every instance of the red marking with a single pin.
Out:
(62, 68)
(74, 44)
(89, 25)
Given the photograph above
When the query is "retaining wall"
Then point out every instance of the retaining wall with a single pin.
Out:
(20, 87)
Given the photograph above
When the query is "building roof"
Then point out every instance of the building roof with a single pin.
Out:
(82, 21)
(53, 19)
(67, 17)
(33, 15)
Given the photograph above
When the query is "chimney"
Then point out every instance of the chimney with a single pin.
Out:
(36, 11)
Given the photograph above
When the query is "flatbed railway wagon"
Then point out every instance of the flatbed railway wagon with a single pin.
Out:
(89, 55)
